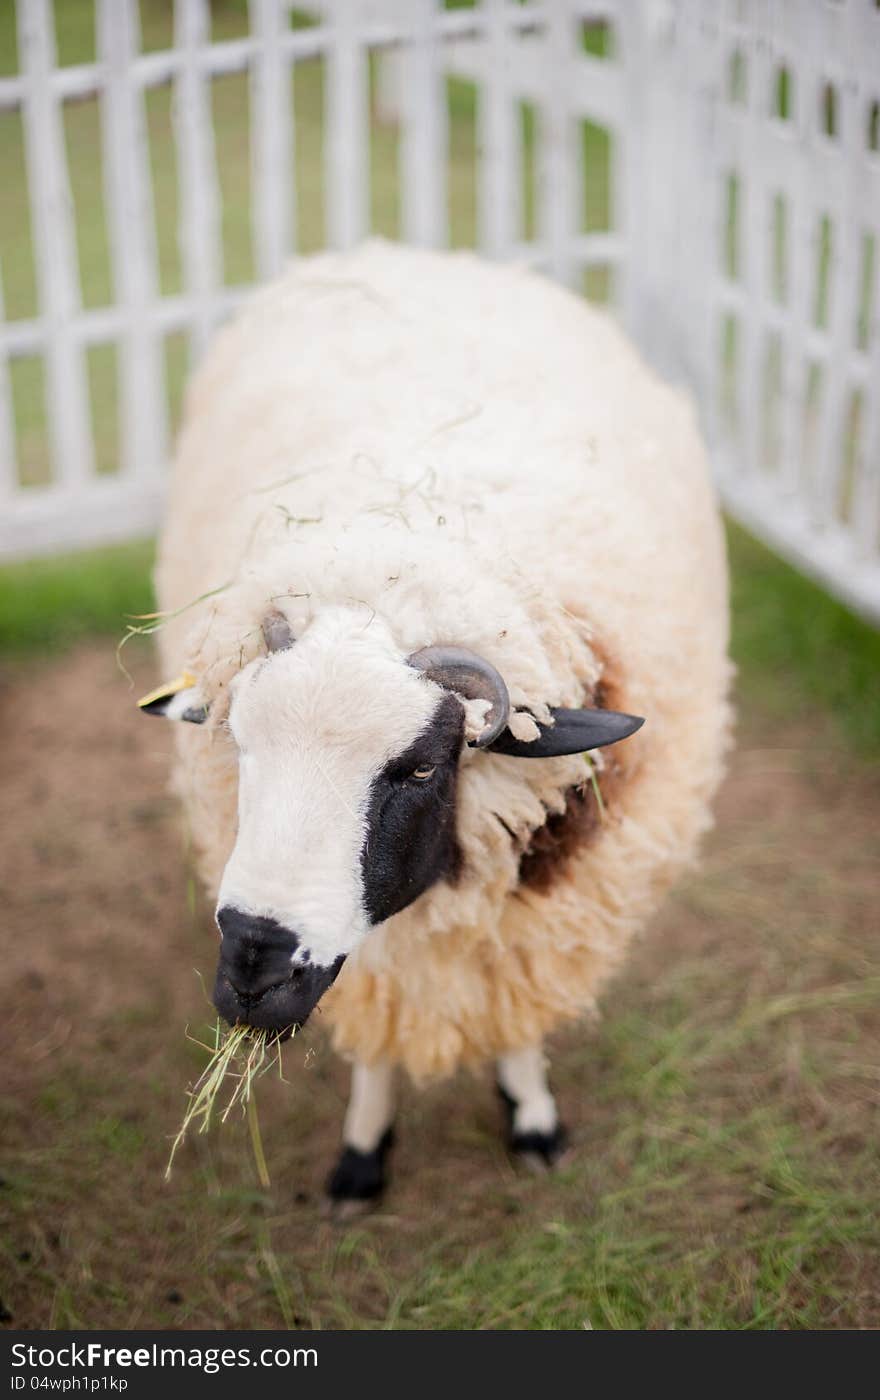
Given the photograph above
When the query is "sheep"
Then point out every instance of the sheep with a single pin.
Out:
(436, 541)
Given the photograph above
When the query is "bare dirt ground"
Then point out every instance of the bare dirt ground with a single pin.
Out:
(726, 1109)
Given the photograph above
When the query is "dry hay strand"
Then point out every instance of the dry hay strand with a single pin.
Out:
(239, 1055)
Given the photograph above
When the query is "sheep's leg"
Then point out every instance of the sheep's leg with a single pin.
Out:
(367, 1135)
(534, 1132)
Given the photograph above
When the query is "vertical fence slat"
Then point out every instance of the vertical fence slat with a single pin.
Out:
(698, 257)
(499, 187)
(634, 293)
(560, 163)
(800, 265)
(70, 429)
(199, 231)
(424, 135)
(866, 512)
(798, 245)
(347, 146)
(846, 214)
(8, 473)
(271, 139)
(866, 505)
(753, 228)
(143, 407)
(664, 115)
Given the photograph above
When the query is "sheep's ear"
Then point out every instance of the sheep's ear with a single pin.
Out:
(179, 699)
(572, 731)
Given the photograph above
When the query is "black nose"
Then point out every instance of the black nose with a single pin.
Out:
(257, 983)
(255, 953)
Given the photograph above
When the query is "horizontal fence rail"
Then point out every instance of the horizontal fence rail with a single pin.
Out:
(712, 172)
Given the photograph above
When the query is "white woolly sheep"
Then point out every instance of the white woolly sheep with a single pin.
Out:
(441, 519)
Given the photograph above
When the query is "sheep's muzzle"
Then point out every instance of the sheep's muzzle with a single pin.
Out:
(259, 982)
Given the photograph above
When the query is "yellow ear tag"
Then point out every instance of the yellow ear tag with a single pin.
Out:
(163, 692)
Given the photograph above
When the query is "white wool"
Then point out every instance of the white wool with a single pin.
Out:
(522, 726)
(475, 712)
(454, 452)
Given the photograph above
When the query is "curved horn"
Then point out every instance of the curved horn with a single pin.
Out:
(276, 631)
(456, 668)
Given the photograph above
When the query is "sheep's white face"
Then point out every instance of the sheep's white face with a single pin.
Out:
(320, 730)
(348, 758)
(347, 761)
(314, 726)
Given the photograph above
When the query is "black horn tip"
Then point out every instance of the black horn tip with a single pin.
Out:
(572, 731)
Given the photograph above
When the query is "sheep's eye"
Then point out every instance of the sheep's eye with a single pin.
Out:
(421, 775)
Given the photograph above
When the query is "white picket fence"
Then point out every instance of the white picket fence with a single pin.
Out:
(741, 237)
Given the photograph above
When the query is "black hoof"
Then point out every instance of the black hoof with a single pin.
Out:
(540, 1151)
(360, 1176)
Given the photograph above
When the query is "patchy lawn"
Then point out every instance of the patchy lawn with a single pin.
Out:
(725, 1109)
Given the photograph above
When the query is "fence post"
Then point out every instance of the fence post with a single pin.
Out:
(424, 131)
(693, 227)
(144, 410)
(271, 139)
(848, 210)
(560, 163)
(8, 474)
(70, 429)
(347, 146)
(198, 232)
(500, 187)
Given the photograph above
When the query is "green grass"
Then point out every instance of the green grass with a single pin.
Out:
(736, 1193)
(621, 1263)
(47, 604)
(795, 645)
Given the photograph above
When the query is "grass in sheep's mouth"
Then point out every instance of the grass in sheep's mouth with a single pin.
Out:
(238, 1055)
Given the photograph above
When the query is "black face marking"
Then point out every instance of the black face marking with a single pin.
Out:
(410, 842)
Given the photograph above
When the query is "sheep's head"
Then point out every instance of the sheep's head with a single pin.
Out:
(348, 759)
